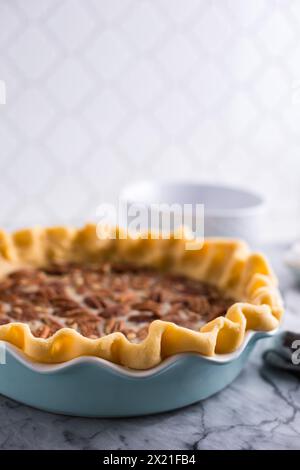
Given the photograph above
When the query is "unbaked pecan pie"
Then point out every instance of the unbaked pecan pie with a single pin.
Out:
(66, 293)
(100, 299)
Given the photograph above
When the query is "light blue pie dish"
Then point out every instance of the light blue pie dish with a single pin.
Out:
(89, 386)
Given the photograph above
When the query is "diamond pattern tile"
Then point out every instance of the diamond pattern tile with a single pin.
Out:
(71, 23)
(25, 168)
(9, 195)
(70, 83)
(295, 10)
(244, 60)
(248, 14)
(101, 93)
(293, 61)
(36, 10)
(31, 215)
(69, 142)
(96, 173)
(271, 87)
(144, 25)
(276, 34)
(61, 205)
(181, 12)
(209, 88)
(175, 113)
(9, 77)
(268, 138)
(142, 83)
(139, 141)
(165, 166)
(105, 112)
(31, 113)
(240, 114)
(108, 54)
(178, 57)
(291, 117)
(32, 53)
(8, 141)
(206, 140)
(113, 9)
(10, 23)
(213, 20)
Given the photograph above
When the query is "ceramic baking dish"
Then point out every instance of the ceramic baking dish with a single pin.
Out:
(90, 386)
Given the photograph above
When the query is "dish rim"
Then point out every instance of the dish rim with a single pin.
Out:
(217, 359)
(126, 196)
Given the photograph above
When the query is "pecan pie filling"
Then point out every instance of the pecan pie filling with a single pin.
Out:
(97, 300)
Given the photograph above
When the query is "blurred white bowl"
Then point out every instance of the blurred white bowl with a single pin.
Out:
(228, 211)
(292, 259)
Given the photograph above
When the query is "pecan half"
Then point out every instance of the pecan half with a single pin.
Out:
(94, 301)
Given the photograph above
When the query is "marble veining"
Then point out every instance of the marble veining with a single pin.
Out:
(259, 410)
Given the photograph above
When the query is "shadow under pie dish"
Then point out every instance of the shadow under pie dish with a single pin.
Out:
(138, 306)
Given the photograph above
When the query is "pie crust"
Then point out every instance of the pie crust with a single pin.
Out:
(226, 264)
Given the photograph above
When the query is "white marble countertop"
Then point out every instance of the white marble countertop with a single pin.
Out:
(260, 410)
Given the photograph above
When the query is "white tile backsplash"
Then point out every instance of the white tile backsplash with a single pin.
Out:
(104, 92)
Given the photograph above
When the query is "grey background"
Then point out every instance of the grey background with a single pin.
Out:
(101, 93)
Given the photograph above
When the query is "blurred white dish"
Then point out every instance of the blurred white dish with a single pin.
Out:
(228, 211)
(292, 259)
